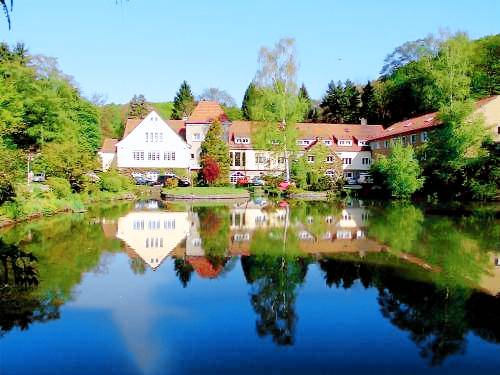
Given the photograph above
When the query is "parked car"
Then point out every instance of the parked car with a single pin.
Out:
(351, 181)
(39, 177)
(140, 180)
(257, 181)
(152, 176)
(243, 181)
(365, 178)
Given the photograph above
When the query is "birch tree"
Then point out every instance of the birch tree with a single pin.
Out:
(278, 108)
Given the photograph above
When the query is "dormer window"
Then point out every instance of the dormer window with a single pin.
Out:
(344, 142)
(362, 143)
(303, 142)
(327, 142)
(242, 140)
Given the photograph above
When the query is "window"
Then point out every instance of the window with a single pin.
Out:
(329, 159)
(243, 159)
(169, 155)
(192, 156)
(260, 159)
(310, 158)
(386, 144)
(344, 142)
(423, 137)
(197, 242)
(161, 137)
(147, 135)
(138, 155)
(237, 159)
(403, 139)
(362, 143)
(138, 224)
(498, 129)
(169, 224)
(151, 137)
(154, 155)
(347, 161)
(327, 142)
(365, 161)
(303, 142)
(281, 160)
(330, 173)
(197, 136)
(413, 139)
(156, 137)
(242, 140)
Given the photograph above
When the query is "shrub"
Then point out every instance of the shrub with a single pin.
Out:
(59, 186)
(171, 183)
(114, 182)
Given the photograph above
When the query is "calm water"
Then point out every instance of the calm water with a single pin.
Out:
(251, 288)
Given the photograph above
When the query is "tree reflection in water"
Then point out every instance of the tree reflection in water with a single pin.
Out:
(19, 305)
(438, 320)
(274, 289)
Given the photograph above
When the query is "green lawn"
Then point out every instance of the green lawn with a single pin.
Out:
(206, 191)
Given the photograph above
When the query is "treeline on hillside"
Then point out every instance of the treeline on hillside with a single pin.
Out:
(114, 116)
(406, 86)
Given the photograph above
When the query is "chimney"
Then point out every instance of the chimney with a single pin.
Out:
(364, 121)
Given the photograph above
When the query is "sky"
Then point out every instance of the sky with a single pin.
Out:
(118, 48)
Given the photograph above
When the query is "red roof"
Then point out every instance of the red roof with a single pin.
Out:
(204, 268)
(420, 123)
(313, 132)
(207, 111)
(109, 145)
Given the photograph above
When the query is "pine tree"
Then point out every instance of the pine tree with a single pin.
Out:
(183, 102)
(333, 103)
(304, 95)
(215, 148)
(369, 105)
(138, 107)
(350, 109)
(249, 96)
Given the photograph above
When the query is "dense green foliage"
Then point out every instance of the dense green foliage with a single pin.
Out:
(399, 173)
(183, 102)
(44, 117)
(341, 103)
(215, 148)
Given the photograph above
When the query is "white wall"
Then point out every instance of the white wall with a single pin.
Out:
(356, 157)
(164, 140)
(106, 159)
(191, 131)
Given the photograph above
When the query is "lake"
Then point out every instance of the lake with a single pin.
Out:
(251, 288)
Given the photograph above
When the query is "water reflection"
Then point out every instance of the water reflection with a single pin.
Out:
(435, 278)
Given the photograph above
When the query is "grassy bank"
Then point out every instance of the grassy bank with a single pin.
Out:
(201, 191)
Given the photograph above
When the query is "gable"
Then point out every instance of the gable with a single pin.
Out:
(136, 129)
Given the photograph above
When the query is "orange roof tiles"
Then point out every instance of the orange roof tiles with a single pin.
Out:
(420, 123)
(207, 111)
(204, 268)
(109, 145)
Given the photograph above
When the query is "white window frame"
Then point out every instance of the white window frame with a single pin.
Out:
(344, 142)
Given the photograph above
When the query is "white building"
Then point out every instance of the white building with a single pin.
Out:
(152, 143)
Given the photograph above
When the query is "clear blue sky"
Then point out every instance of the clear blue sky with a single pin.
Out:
(150, 46)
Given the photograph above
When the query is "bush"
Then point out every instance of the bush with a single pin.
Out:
(171, 183)
(114, 182)
(59, 186)
(324, 183)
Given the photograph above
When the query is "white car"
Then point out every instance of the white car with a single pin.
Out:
(152, 176)
(365, 178)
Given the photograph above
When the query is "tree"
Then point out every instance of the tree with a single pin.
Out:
(400, 171)
(350, 112)
(369, 105)
(6, 10)
(250, 95)
(138, 107)
(219, 96)
(183, 102)
(215, 155)
(409, 52)
(333, 103)
(304, 95)
(486, 66)
(278, 107)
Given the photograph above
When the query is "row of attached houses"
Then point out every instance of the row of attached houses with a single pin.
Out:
(153, 143)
